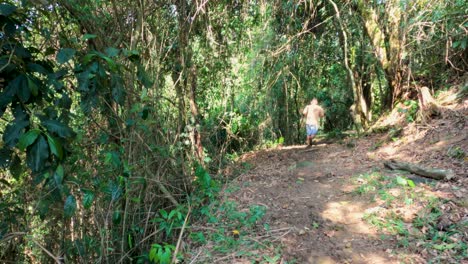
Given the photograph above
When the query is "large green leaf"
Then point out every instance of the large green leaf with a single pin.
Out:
(37, 154)
(62, 130)
(28, 138)
(65, 55)
(6, 9)
(20, 85)
(70, 206)
(13, 132)
(55, 147)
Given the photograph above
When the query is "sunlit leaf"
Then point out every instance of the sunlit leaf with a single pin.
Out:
(55, 147)
(28, 138)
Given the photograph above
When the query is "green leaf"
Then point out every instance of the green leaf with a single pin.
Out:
(112, 52)
(33, 87)
(401, 181)
(65, 55)
(6, 9)
(55, 147)
(110, 62)
(13, 132)
(88, 199)
(88, 58)
(20, 84)
(411, 183)
(62, 130)
(116, 216)
(28, 138)
(58, 175)
(37, 154)
(153, 254)
(143, 77)
(88, 36)
(70, 206)
(444, 246)
(163, 213)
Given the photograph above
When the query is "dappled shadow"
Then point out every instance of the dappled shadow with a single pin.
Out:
(303, 190)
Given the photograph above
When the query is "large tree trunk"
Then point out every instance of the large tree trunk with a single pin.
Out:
(387, 44)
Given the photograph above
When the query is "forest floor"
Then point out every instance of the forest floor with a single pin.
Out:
(335, 202)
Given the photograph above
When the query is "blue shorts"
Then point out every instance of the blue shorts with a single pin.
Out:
(311, 130)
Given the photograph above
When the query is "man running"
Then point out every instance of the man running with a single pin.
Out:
(312, 112)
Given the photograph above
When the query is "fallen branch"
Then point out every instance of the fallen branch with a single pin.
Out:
(437, 174)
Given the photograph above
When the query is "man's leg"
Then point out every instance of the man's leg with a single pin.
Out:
(308, 134)
(313, 131)
(311, 140)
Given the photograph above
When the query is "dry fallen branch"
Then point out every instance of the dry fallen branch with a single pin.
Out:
(433, 173)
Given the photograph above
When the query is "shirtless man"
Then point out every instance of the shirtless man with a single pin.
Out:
(312, 112)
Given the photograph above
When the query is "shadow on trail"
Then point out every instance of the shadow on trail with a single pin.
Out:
(305, 190)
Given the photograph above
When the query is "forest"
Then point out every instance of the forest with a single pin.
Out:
(123, 123)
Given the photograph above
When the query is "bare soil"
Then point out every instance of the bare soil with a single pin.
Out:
(309, 199)
(312, 213)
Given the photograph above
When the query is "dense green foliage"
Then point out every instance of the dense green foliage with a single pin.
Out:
(114, 114)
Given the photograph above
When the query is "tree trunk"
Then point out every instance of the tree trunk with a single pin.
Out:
(359, 108)
(387, 44)
(195, 135)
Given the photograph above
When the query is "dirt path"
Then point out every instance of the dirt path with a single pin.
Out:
(307, 191)
(314, 213)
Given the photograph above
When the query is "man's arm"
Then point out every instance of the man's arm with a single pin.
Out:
(322, 112)
(305, 110)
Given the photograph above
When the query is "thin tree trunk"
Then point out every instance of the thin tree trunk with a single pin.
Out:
(359, 102)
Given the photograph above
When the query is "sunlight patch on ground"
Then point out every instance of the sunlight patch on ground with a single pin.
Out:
(369, 258)
(349, 214)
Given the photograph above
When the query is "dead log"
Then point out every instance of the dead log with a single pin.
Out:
(432, 173)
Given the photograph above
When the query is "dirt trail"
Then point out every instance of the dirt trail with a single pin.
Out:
(312, 210)
(305, 190)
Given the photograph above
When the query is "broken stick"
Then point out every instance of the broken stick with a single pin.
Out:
(437, 174)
